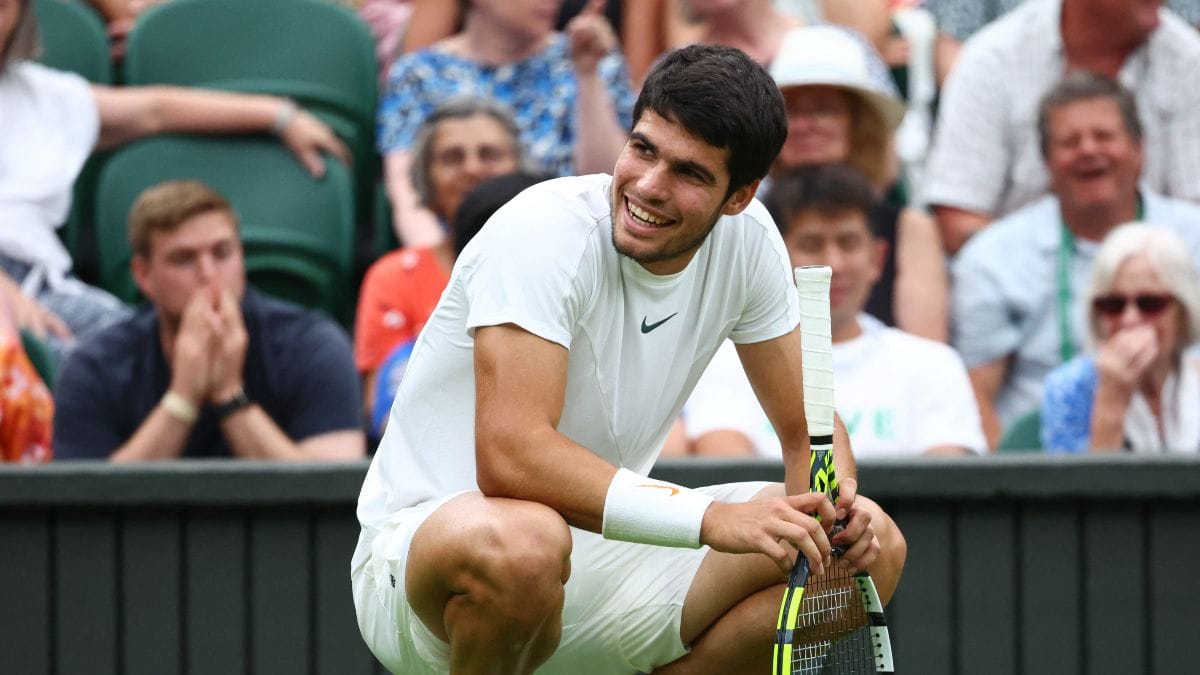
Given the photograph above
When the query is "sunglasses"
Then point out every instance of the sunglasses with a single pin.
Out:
(1147, 304)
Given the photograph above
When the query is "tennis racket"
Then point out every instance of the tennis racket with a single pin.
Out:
(834, 624)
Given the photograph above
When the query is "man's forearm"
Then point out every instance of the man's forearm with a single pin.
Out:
(252, 434)
(162, 435)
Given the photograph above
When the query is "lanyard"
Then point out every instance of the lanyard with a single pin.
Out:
(1066, 249)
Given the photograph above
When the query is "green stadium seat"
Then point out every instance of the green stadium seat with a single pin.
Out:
(44, 360)
(298, 232)
(1024, 434)
(74, 39)
(314, 51)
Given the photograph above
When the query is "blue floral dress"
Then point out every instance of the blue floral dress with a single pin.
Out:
(541, 90)
(1067, 397)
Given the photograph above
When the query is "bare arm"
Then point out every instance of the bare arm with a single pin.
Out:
(723, 443)
(644, 33)
(600, 137)
(415, 225)
(869, 17)
(775, 373)
(947, 451)
(957, 225)
(520, 384)
(986, 380)
(161, 436)
(922, 292)
(129, 113)
(431, 20)
(945, 55)
(252, 434)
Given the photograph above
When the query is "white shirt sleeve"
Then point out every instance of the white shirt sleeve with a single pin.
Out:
(772, 306)
(541, 293)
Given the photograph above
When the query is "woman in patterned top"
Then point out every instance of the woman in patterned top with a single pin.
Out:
(569, 91)
(1138, 391)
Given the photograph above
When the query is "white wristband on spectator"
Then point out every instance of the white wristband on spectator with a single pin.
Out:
(284, 117)
(649, 511)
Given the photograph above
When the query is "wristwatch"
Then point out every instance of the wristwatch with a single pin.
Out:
(235, 403)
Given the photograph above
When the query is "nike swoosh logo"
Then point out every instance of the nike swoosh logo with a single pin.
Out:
(646, 328)
(674, 490)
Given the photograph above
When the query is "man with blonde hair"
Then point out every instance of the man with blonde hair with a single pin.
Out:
(208, 367)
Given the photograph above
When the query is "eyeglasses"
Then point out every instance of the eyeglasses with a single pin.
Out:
(1147, 304)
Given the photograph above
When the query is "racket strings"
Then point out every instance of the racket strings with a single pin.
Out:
(832, 635)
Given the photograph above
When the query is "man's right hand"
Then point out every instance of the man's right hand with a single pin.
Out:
(778, 528)
(190, 362)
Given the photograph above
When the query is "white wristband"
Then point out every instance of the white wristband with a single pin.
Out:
(180, 408)
(284, 117)
(649, 511)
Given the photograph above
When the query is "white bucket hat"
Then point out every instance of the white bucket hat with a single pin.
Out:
(826, 55)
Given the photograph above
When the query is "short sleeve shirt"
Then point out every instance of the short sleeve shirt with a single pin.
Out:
(298, 368)
(397, 296)
(50, 126)
(637, 342)
(985, 155)
(1004, 285)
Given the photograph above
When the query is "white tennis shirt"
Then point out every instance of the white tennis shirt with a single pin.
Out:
(637, 342)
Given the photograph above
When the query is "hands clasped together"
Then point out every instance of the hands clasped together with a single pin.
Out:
(210, 348)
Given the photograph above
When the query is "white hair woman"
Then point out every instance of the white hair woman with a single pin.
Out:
(1136, 390)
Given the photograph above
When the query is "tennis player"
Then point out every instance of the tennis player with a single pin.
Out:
(507, 522)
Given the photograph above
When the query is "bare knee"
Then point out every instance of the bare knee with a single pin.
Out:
(893, 551)
(519, 561)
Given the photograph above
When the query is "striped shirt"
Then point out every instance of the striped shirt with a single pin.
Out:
(985, 155)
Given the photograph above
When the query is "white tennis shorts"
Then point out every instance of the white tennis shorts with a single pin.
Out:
(623, 607)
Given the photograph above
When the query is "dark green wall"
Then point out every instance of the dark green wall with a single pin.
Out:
(1016, 565)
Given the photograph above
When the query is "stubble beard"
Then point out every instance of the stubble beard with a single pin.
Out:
(668, 251)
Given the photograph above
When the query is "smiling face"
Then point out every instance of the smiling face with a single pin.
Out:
(669, 189)
(465, 152)
(1093, 161)
(819, 119)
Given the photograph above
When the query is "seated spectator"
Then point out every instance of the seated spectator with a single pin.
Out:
(1137, 390)
(896, 393)
(569, 91)
(52, 122)
(401, 289)
(836, 113)
(985, 161)
(1013, 317)
(394, 339)
(208, 367)
(957, 20)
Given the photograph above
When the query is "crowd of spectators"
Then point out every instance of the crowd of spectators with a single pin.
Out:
(1005, 192)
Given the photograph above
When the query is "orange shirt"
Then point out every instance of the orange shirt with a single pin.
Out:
(398, 294)
(26, 407)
